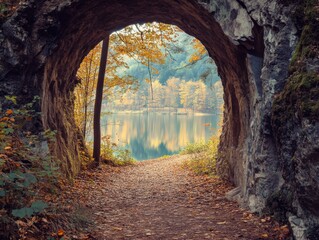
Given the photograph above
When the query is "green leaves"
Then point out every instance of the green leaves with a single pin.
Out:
(36, 207)
(39, 206)
(26, 178)
(29, 179)
(2, 193)
(23, 212)
(26, 165)
(7, 131)
(12, 99)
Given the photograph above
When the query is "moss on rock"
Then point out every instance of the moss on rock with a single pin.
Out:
(300, 96)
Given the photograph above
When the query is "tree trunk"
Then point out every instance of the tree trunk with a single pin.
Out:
(85, 120)
(150, 75)
(98, 103)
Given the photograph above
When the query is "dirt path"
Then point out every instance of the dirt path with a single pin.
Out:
(158, 199)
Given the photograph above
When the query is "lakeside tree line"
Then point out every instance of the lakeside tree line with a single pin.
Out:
(175, 95)
(145, 68)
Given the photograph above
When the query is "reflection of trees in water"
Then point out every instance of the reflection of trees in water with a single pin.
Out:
(154, 135)
(141, 152)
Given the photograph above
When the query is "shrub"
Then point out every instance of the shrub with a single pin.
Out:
(112, 154)
(7, 8)
(203, 156)
(197, 147)
(26, 167)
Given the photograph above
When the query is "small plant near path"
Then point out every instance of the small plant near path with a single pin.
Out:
(202, 156)
(27, 170)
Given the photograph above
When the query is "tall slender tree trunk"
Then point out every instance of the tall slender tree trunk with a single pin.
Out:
(151, 82)
(98, 103)
(85, 119)
(86, 95)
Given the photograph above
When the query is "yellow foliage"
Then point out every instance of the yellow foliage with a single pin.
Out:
(200, 51)
(142, 43)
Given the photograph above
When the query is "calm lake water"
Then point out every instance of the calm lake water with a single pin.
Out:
(153, 135)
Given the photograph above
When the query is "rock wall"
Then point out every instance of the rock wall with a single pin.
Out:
(274, 164)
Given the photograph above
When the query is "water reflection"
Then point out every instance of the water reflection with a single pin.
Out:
(153, 135)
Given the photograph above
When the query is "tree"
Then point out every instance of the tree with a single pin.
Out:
(183, 93)
(98, 103)
(85, 91)
(172, 99)
(144, 43)
(113, 84)
(200, 96)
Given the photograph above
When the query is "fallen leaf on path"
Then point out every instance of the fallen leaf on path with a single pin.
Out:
(117, 228)
(9, 112)
(60, 233)
(221, 223)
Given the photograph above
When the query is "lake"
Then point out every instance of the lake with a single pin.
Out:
(153, 135)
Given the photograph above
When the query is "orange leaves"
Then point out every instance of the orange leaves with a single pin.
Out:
(264, 220)
(9, 112)
(8, 148)
(60, 233)
(4, 119)
(200, 51)
(7, 117)
(199, 47)
(283, 231)
(194, 58)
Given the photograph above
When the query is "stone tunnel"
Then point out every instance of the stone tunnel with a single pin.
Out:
(43, 43)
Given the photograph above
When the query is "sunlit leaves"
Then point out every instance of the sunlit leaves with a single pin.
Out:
(194, 58)
(142, 43)
(12, 99)
(200, 52)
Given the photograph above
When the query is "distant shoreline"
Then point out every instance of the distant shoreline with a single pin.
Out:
(165, 113)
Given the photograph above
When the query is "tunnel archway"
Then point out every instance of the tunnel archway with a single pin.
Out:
(88, 24)
(252, 42)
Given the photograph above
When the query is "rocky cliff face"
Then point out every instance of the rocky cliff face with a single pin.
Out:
(269, 146)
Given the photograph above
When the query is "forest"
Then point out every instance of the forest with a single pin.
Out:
(174, 96)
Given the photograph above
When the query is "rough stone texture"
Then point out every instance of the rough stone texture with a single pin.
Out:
(251, 41)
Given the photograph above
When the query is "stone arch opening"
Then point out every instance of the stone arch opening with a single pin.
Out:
(168, 117)
(84, 24)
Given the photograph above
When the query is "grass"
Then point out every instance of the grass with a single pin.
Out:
(203, 156)
(122, 157)
(193, 148)
(165, 157)
(114, 155)
(111, 154)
